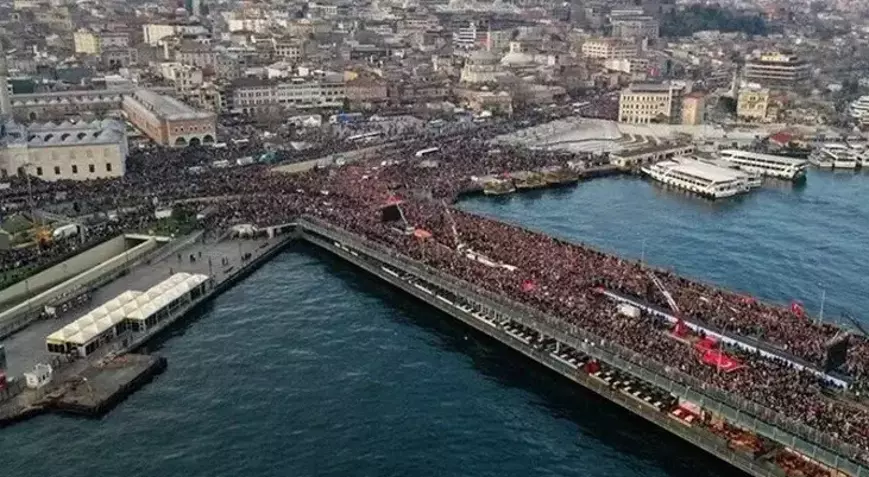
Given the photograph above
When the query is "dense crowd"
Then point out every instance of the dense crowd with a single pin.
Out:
(566, 278)
(561, 279)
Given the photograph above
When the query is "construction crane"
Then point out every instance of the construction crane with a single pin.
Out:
(50, 216)
(660, 286)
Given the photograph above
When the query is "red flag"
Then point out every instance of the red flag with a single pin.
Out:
(421, 233)
(797, 308)
(528, 285)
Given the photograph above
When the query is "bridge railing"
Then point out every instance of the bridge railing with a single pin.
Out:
(765, 421)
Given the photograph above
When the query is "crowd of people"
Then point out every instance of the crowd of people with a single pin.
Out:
(564, 280)
(561, 279)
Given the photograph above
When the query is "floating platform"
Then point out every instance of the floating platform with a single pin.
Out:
(102, 385)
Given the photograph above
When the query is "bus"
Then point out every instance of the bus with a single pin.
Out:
(344, 118)
(424, 152)
(365, 137)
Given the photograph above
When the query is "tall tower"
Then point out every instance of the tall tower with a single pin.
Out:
(5, 103)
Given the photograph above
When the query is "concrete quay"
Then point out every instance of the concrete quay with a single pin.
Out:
(92, 386)
(101, 386)
(565, 348)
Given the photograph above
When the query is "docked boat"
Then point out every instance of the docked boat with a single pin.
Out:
(834, 156)
(701, 178)
(525, 180)
(499, 187)
(768, 165)
(559, 176)
(752, 179)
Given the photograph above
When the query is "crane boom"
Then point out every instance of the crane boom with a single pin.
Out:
(667, 295)
(452, 225)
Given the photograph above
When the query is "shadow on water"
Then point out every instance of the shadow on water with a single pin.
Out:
(596, 416)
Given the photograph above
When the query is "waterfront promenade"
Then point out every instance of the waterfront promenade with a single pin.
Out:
(91, 385)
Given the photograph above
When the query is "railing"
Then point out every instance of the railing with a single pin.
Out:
(698, 436)
(33, 313)
(764, 421)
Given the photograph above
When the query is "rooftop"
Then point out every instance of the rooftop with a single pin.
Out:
(167, 107)
(651, 87)
(702, 170)
(108, 131)
(754, 155)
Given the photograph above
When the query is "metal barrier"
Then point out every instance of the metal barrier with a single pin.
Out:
(762, 420)
(699, 436)
(31, 315)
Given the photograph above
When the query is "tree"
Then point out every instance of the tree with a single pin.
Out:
(700, 18)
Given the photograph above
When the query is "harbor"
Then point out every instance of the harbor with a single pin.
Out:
(93, 389)
(614, 327)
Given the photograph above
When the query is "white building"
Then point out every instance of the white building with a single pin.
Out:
(184, 77)
(51, 152)
(480, 67)
(74, 151)
(254, 95)
(155, 32)
(609, 49)
(468, 36)
(650, 103)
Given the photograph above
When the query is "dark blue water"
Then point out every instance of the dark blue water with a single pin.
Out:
(310, 368)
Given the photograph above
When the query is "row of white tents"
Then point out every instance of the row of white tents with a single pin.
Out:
(130, 310)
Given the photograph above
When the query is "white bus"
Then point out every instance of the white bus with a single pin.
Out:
(424, 152)
(364, 137)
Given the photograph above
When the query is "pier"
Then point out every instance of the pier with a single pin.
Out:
(93, 385)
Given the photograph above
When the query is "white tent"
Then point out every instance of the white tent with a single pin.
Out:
(162, 294)
(95, 322)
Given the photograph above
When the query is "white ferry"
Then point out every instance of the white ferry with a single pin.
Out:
(752, 179)
(701, 178)
(834, 156)
(779, 167)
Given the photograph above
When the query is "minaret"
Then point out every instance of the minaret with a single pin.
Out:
(5, 103)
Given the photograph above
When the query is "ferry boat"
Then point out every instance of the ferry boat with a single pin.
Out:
(834, 156)
(559, 176)
(752, 179)
(499, 187)
(698, 177)
(779, 167)
(525, 180)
